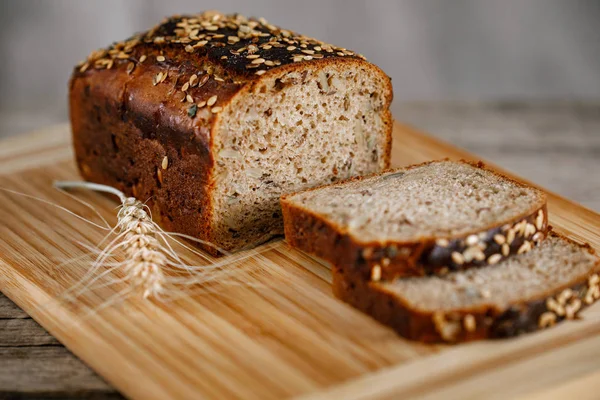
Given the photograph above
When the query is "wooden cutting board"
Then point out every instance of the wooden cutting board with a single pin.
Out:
(271, 328)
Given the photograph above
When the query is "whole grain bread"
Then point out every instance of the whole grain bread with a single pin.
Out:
(428, 218)
(212, 117)
(524, 293)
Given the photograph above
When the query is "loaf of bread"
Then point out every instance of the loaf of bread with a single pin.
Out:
(211, 117)
(552, 282)
(429, 218)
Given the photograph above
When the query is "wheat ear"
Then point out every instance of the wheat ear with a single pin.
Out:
(146, 258)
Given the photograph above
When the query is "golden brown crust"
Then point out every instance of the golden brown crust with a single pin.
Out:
(153, 96)
(378, 260)
(462, 325)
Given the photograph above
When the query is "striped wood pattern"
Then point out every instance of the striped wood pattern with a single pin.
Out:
(271, 329)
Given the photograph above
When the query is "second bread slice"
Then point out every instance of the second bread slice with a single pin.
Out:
(429, 218)
(524, 293)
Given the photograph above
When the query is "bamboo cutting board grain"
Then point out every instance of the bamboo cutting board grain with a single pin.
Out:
(271, 328)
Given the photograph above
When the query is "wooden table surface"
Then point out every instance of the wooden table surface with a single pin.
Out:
(555, 145)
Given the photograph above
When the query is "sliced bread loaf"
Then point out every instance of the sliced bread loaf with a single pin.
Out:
(429, 218)
(552, 282)
(211, 117)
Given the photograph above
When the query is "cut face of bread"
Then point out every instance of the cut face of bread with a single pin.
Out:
(552, 282)
(295, 129)
(422, 219)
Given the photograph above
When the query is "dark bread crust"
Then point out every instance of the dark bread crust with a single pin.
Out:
(463, 325)
(127, 112)
(314, 234)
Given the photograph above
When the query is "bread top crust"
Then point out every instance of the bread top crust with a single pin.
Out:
(232, 43)
(183, 72)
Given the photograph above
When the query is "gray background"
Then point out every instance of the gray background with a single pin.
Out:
(433, 49)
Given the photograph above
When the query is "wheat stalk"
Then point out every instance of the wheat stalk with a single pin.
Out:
(146, 257)
(148, 260)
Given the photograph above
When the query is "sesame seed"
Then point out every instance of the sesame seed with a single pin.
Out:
(185, 87)
(457, 258)
(260, 72)
(510, 236)
(525, 247)
(189, 49)
(219, 79)
(193, 79)
(165, 162)
(84, 67)
(130, 67)
(529, 229)
(212, 100)
(522, 226)
(252, 56)
(341, 54)
(494, 259)
(442, 242)
(142, 58)
(500, 239)
(473, 253)
(472, 240)
(376, 273)
(317, 48)
(290, 48)
(308, 58)
(215, 110)
(538, 237)
(189, 98)
(267, 47)
(505, 250)
(572, 308)
(553, 305)
(164, 77)
(159, 175)
(203, 80)
(269, 63)
(469, 323)
(547, 319)
(201, 104)
(157, 78)
(223, 57)
(160, 58)
(539, 221)
(564, 296)
(306, 51)
(258, 61)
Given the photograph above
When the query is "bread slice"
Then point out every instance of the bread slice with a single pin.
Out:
(550, 283)
(211, 117)
(429, 218)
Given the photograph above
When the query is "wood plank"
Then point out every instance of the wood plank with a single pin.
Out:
(36, 372)
(8, 309)
(271, 329)
(24, 332)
